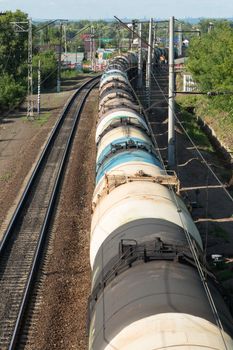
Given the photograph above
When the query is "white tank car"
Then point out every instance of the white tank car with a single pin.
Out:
(146, 292)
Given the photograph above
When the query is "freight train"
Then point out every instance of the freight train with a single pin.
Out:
(145, 250)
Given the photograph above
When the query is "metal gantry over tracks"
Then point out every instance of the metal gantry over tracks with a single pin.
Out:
(22, 244)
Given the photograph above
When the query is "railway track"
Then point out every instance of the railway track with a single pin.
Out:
(22, 244)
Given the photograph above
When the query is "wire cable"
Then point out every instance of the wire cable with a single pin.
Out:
(193, 144)
(188, 236)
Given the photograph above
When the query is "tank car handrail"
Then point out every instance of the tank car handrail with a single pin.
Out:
(118, 180)
(144, 252)
(126, 121)
(121, 147)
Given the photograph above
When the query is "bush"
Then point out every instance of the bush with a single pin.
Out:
(48, 67)
(211, 64)
(11, 92)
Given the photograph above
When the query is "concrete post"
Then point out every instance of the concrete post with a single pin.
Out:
(38, 89)
(149, 59)
(30, 75)
(180, 41)
(59, 62)
(140, 63)
(171, 121)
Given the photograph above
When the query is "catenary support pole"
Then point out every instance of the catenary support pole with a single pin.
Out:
(171, 122)
(180, 40)
(59, 62)
(154, 40)
(38, 89)
(92, 47)
(26, 27)
(65, 45)
(38, 92)
(140, 56)
(149, 59)
(30, 76)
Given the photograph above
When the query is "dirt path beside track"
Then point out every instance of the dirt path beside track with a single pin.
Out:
(21, 142)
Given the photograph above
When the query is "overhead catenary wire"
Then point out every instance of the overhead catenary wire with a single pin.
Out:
(133, 31)
(188, 237)
(187, 234)
(193, 143)
(46, 25)
(150, 128)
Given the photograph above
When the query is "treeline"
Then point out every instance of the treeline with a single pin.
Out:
(210, 55)
(14, 58)
(101, 30)
(210, 62)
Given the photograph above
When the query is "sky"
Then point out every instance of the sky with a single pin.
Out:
(100, 9)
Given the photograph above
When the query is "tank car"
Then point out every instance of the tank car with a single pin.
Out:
(146, 288)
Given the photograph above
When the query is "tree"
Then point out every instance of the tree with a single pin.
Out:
(13, 48)
(48, 63)
(11, 92)
(211, 64)
(13, 60)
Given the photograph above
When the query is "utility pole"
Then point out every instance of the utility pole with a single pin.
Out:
(134, 28)
(167, 37)
(171, 121)
(59, 61)
(92, 47)
(65, 43)
(154, 39)
(149, 59)
(30, 82)
(140, 63)
(99, 39)
(38, 96)
(180, 40)
(19, 27)
(119, 39)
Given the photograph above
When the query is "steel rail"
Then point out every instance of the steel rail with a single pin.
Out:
(28, 193)
(39, 163)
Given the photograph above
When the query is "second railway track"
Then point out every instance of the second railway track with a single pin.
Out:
(22, 243)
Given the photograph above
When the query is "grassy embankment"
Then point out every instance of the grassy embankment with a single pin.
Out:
(189, 107)
(221, 122)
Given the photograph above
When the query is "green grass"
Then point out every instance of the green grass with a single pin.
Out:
(38, 120)
(206, 108)
(187, 101)
(70, 73)
(193, 129)
(42, 118)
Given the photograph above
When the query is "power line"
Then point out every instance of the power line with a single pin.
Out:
(208, 93)
(191, 244)
(46, 25)
(194, 145)
(133, 31)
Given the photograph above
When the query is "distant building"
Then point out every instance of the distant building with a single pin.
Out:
(89, 47)
(180, 64)
(48, 47)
